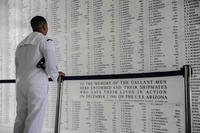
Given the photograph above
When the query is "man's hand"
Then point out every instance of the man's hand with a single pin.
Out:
(61, 73)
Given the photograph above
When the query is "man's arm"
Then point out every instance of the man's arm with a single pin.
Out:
(50, 60)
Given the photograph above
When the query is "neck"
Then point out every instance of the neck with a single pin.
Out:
(39, 32)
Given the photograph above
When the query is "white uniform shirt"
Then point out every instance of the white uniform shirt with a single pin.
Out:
(28, 54)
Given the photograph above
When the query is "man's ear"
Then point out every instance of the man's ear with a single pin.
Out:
(43, 27)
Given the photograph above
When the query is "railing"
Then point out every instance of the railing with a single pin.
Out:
(185, 71)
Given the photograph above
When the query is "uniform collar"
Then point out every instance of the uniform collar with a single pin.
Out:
(32, 39)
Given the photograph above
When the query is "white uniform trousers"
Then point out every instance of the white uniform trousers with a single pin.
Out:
(31, 108)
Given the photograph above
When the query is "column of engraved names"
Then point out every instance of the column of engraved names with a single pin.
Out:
(162, 25)
(144, 117)
(155, 17)
(125, 44)
(130, 37)
(98, 118)
(177, 38)
(88, 17)
(126, 117)
(114, 118)
(159, 120)
(88, 117)
(141, 43)
(177, 116)
(192, 47)
(112, 41)
(162, 117)
(133, 117)
(75, 37)
(75, 109)
(99, 39)
(79, 41)
(95, 113)
(103, 36)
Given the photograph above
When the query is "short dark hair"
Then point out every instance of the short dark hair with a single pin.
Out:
(37, 23)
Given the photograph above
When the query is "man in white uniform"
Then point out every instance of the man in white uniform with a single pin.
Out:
(32, 79)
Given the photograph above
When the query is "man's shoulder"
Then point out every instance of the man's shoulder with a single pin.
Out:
(44, 39)
(34, 38)
(49, 41)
